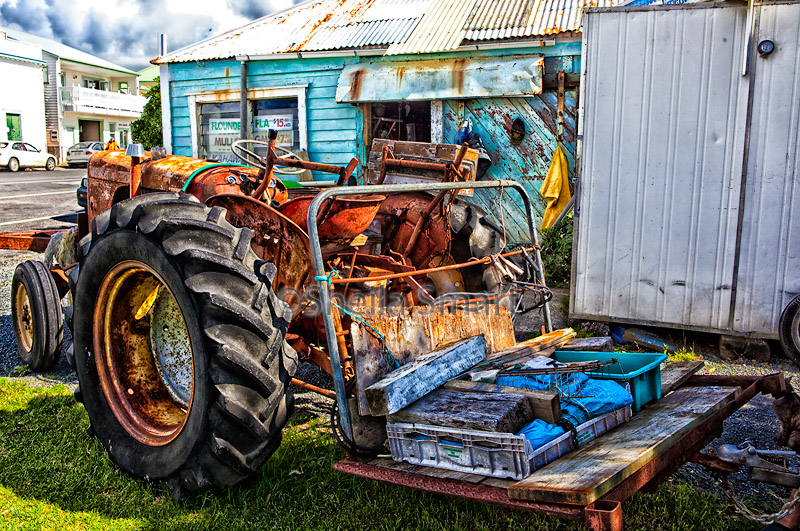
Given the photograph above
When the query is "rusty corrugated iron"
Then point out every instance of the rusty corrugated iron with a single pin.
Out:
(321, 25)
(441, 28)
(405, 26)
(447, 24)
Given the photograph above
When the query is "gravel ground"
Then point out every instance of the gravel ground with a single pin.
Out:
(755, 422)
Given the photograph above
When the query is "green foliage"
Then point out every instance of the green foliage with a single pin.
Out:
(147, 129)
(557, 252)
(55, 476)
(683, 354)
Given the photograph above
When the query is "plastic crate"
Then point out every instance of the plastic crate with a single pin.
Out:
(500, 455)
(642, 371)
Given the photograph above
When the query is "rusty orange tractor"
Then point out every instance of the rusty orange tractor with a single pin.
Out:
(193, 289)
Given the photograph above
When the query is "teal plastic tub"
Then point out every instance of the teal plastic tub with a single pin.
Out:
(641, 371)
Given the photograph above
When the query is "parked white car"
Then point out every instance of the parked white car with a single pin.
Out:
(79, 154)
(16, 155)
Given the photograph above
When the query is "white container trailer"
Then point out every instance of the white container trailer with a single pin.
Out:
(688, 210)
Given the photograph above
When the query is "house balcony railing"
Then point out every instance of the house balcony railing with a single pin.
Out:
(92, 101)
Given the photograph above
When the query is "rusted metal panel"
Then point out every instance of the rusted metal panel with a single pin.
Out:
(275, 239)
(452, 487)
(27, 240)
(343, 219)
(433, 79)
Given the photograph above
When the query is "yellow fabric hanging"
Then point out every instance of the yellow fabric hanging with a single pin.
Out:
(555, 188)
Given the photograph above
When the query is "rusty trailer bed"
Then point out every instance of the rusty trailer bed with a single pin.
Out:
(591, 483)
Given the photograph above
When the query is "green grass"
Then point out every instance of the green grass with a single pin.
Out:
(54, 476)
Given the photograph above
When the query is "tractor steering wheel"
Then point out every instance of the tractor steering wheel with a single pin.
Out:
(251, 158)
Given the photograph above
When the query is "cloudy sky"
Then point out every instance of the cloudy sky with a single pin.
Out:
(126, 32)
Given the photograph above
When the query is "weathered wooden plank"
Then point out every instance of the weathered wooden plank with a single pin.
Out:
(521, 361)
(411, 382)
(545, 404)
(417, 331)
(531, 346)
(495, 412)
(595, 469)
(589, 344)
(676, 373)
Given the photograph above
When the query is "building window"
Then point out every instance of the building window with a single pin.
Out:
(219, 128)
(46, 73)
(97, 84)
(279, 114)
(63, 78)
(405, 120)
(123, 87)
(217, 115)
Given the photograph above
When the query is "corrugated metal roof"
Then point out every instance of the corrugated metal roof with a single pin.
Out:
(312, 26)
(447, 23)
(381, 22)
(405, 26)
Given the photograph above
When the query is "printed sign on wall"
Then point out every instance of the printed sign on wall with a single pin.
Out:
(223, 132)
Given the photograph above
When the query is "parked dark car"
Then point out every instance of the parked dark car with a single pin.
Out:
(81, 193)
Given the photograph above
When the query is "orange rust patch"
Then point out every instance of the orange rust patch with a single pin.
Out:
(458, 74)
(356, 81)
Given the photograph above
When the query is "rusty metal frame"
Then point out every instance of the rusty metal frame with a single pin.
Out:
(325, 284)
(35, 240)
(605, 513)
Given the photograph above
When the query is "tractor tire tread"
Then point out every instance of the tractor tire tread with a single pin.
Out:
(250, 364)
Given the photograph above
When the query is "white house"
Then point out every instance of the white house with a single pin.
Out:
(85, 97)
(22, 114)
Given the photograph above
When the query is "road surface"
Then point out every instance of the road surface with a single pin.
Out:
(39, 199)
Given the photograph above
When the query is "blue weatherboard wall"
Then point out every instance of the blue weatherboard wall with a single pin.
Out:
(331, 126)
(335, 131)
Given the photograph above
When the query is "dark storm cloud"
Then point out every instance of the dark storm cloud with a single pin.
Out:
(251, 9)
(27, 18)
(130, 41)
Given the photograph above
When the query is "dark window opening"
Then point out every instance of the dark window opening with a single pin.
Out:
(402, 120)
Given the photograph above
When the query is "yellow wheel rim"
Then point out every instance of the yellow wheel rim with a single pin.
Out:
(24, 316)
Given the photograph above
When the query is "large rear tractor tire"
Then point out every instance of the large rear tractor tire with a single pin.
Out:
(179, 344)
(789, 330)
(36, 314)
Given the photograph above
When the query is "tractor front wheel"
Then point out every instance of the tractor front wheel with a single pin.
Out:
(36, 314)
(179, 344)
